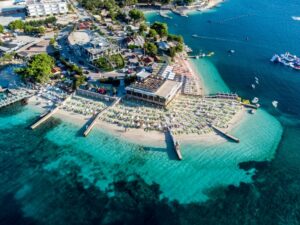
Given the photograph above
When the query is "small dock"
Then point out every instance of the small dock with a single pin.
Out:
(249, 106)
(11, 101)
(229, 136)
(196, 56)
(175, 144)
(44, 118)
(92, 124)
(48, 115)
(97, 116)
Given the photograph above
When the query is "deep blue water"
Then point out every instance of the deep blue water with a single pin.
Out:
(34, 191)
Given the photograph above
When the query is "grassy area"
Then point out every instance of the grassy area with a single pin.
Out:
(110, 63)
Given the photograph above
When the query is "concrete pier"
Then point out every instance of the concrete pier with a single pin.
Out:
(175, 144)
(230, 137)
(44, 118)
(12, 101)
(250, 106)
(92, 124)
(94, 120)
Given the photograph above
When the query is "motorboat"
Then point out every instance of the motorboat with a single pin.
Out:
(287, 59)
(252, 111)
(296, 18)
(275, 104)
(255, 100)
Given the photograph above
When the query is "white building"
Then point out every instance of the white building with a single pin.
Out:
(90, 45)
(46, 7)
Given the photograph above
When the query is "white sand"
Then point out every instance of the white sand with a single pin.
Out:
(147, 138)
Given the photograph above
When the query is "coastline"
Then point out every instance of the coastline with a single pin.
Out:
(197, 75)
(137, 135)
(184, 11)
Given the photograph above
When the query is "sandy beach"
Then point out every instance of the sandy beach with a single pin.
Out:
(135, 136)
(213, 3)
(196, 75)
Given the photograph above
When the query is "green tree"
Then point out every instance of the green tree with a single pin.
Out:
(150, 48)
(41, 30)
(117, 60)
(179, 47)
(129, 2)
(160, 28)
(1, 29)
(172, 52)
(165, 2)
(136, 15)
(38, 68)
(143, 27)
(52, 41)
(152, 33)
(7, 57)
(103, 64)
(78, 80)
(16, 25)
(177, 38)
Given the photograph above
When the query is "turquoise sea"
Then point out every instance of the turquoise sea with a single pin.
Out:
(54, 176)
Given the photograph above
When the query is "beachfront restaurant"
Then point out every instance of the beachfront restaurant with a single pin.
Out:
(154, 90)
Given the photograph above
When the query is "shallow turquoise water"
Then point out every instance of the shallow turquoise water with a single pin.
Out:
(54, 169)
(211, 78)
(205, 165)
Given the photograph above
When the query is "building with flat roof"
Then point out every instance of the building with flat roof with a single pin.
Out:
(155, 90)
(46, 7)
(90, 45)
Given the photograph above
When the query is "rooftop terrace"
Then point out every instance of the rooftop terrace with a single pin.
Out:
(151, 84)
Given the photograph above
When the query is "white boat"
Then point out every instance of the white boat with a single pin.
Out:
(257, 82)
(275, 58)
(253, 86)
(296, 18)
(255, 100)
(275, 104)
(256, 78)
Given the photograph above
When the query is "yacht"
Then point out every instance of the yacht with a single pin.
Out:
(287, 59)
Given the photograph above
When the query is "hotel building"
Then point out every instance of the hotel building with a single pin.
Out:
(154, 89)
(46, 7)
(90, 45)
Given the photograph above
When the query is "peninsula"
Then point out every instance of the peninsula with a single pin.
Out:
(100, 64)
